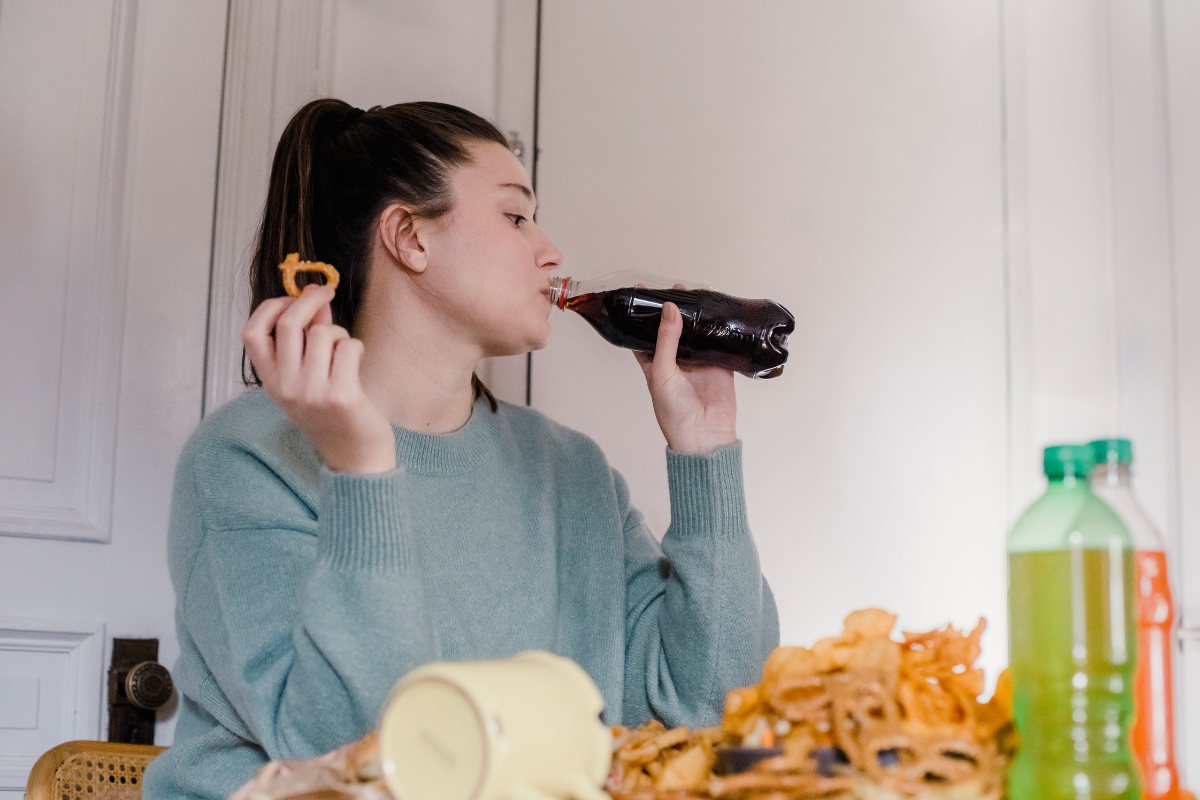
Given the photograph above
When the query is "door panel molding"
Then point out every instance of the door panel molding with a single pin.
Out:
(277, 59)
(516, 99)
(69, 497)
(65, 658)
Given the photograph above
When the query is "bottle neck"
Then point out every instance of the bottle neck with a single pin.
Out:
(1112, 476)
(1067, 483)
(565, 289)
(561, 290)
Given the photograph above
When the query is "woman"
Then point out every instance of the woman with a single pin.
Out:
(372, 507)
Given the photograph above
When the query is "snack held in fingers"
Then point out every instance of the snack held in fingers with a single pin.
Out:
(292, 264)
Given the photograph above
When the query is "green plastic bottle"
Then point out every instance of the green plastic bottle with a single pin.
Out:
(1072, 641)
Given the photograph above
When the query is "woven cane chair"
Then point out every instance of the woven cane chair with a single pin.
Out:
(90, 771)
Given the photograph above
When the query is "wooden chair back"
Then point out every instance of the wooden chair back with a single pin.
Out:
(84, 770)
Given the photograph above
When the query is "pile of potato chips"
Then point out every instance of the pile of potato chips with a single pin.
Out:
(858, 714)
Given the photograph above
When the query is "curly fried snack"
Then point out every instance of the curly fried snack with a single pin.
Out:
(292, 264)
(661, 763)
(904, 711)
(855, 714)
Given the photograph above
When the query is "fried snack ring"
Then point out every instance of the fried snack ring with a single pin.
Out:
(292, 264)
(690, 770)
(652, 758)
(946, 655)
(801, 698)
(743, 707)
(863, 707)
(906, 753)
(648, 751)
(920, 764)
(930, 705)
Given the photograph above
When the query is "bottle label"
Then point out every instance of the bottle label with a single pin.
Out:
(1153, 732)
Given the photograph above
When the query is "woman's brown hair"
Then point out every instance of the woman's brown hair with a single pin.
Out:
(336, 168)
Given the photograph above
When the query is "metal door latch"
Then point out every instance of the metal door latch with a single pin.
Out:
(137, 687)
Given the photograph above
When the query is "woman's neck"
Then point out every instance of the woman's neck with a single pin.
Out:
(414, 371)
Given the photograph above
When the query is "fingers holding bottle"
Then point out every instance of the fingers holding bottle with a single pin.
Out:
(696, 407)
(661, 363)
(666, 348)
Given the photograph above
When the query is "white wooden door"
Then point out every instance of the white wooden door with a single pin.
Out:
(109, 116)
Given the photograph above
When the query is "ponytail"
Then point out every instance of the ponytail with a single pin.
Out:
(336, 168)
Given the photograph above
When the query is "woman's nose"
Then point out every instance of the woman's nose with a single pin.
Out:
(548, 256)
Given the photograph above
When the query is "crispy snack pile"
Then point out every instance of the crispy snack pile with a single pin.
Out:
(652, 761)
(858, 714)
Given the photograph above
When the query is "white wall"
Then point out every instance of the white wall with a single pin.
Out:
(967, 206)
(386, 52)
(845, 159)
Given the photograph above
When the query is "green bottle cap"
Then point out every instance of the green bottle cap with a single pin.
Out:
(1106, 450)
(1063, 460)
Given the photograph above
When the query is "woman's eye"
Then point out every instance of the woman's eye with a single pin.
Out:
(517, 219)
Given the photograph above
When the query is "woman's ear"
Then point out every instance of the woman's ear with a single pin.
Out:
(398, 229)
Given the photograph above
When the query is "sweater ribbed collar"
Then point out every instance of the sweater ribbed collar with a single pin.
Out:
(450, 453)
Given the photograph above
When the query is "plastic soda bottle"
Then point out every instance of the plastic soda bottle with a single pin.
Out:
(1072, 641)
(719, 330)
(1153, 732)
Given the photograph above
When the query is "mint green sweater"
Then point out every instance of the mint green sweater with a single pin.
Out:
(302, 594)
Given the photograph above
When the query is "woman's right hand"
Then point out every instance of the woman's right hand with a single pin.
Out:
(309, 366)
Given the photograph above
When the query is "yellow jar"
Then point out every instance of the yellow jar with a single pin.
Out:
(525, 728)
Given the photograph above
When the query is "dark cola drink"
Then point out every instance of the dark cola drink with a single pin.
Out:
(746, 336)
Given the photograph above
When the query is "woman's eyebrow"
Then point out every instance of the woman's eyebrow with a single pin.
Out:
(523, 189)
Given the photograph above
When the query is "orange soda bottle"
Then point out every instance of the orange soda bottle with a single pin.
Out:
(1153, 730)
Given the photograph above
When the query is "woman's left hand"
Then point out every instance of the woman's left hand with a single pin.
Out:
(695, 406)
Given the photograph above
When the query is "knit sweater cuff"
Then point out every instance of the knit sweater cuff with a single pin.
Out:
(707, 493)
(362, 521)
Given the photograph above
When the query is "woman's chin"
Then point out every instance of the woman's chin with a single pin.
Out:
(538, 340)
(518, 348)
